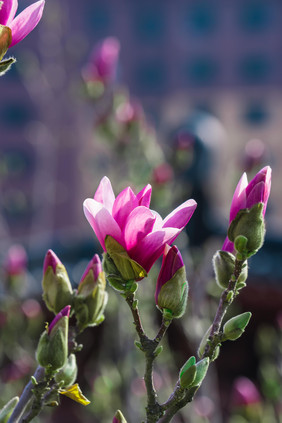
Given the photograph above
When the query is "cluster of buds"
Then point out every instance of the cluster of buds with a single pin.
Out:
(246, 227)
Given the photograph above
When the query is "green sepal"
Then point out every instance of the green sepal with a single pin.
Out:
(7, 410)
(224, 265)
(57, 289)
(52, 349)
(6, 64)
(5, 40)
(174, 293)
(236, 326)
(188, 372)
(67, 375)
(202, 368)
(248, 223)
(125, 267)
(90, 300)
(158, 350)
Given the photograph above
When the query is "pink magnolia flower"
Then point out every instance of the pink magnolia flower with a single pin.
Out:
(246, 195)
(172, 261)
(22, 24)
(103, 61)
(128, 219)
(51, 259)
(15, 262)
(244, 392)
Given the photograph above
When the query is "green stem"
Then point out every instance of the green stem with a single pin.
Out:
(148, 346)
(26, 396)
(225, 301)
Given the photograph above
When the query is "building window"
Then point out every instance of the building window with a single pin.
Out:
(200, 19)
(202, 70)
(255, 16)
(255, 68)
(149, 24)
(151, 77)
(255, 113)
(98, 19)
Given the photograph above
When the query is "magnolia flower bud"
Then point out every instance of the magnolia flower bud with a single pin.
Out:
(248, 223)
(224, 264)
(236, 326)
(52, 350)
(67, 375)
(119, 418)
(172, 286)
(57, 290)
(188, 372)
(91, 298)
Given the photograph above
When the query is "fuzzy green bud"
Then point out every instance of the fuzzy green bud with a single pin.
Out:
(52, 349)
(236, 326)
(248, 223)
(224, 265)
(188, 372)
(174, 293)
(57, 290)
(202, 368)
(91, 298)
(67, 375)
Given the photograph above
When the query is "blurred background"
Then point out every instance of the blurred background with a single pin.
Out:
(185, 95)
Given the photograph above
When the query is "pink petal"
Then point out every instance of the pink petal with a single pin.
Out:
(140, 223)
(102, 222)
(26, 21)
(144, 196)
(150, 248)
(228, 245)
(256, 195)
(124, 204)
(105, 194)
(239, 197)
(181, 215)
(8, 11)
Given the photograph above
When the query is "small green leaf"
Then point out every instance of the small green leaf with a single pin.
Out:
(7, 410)
(202, 368)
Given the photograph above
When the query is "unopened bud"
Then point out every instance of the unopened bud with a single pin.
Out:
(172, 286)
(236, 326)
(248, 223)
(119, 417)
(91, 298)
(188, 372)
(67, 375)
(52, 350)
(57, 290)
(224, 265)
(202, 368)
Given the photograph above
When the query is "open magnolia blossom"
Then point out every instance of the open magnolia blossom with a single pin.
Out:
(22, 24)
(246, 195)
(128, 219)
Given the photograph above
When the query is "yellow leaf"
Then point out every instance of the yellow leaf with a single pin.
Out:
(75, 394)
